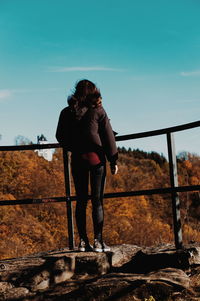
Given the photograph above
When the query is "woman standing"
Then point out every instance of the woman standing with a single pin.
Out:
(84, 130)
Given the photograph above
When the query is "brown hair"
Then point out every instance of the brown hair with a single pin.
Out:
(86, 94)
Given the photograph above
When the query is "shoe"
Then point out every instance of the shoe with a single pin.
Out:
(105, 247)
(97, 247)
(84, 246)
(100, 246)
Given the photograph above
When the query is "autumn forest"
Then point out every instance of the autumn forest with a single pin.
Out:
(141, 220)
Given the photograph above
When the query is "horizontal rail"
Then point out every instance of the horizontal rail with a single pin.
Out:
(153, 191)
(29, 147)
(173, 129)
(106, 195)
(173, 190)
(34, 201)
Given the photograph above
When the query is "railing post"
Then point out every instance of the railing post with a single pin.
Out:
(70, 223)
(175, 197)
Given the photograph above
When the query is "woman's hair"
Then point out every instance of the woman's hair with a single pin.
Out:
(86, 94)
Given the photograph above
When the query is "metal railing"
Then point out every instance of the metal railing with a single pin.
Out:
(174, 189)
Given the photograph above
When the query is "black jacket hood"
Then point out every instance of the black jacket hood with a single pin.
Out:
(76, 108)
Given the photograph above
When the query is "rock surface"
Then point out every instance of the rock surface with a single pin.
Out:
(126, 273)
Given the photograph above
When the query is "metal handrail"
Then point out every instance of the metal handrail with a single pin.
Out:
(108, 195)
(173, 129)
(174, 189)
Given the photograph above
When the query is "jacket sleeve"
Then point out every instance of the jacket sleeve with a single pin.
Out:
(62, 132)
(108, 139)
(59, 131)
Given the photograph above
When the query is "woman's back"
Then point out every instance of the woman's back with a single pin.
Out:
(86, 129)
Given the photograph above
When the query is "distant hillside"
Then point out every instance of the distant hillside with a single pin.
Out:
(143, 220)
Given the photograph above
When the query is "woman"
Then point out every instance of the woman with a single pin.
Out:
(84, 129)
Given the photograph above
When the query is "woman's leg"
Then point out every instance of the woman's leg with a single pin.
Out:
(97, 181)
(81, 177)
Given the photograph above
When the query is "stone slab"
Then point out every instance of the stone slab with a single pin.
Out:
(127, 273)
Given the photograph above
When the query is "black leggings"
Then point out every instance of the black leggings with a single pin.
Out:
(81, 173)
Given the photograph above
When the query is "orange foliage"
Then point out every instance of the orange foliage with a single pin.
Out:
(142, 220)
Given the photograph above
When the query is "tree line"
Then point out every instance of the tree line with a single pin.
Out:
(141, 220)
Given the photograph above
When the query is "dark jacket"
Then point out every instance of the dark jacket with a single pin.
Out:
(87, 130)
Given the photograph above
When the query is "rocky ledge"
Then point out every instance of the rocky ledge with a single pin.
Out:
(126, 273)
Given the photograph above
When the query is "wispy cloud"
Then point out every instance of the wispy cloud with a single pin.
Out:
(190, 73)
(78, 68)
(189, 101)
(16, 91)
(8, 93)
(5, 93)
(138, 78)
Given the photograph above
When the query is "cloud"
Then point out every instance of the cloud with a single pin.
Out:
(188, 100)
(196, 100)
(76, 68)
(21, 91)
(190, 73)
(5, 94)
(138, 78)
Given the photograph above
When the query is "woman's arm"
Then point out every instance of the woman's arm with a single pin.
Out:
(60, 126)
(108, 140)
(63, 129)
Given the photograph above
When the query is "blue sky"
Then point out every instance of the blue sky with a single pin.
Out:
(143, 55)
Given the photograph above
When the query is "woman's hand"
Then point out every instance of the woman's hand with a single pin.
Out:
(114, 169)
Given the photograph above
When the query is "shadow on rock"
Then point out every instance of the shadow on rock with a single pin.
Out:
(143, 263)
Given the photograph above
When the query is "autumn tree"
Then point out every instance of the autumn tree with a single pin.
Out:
(142, 220)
